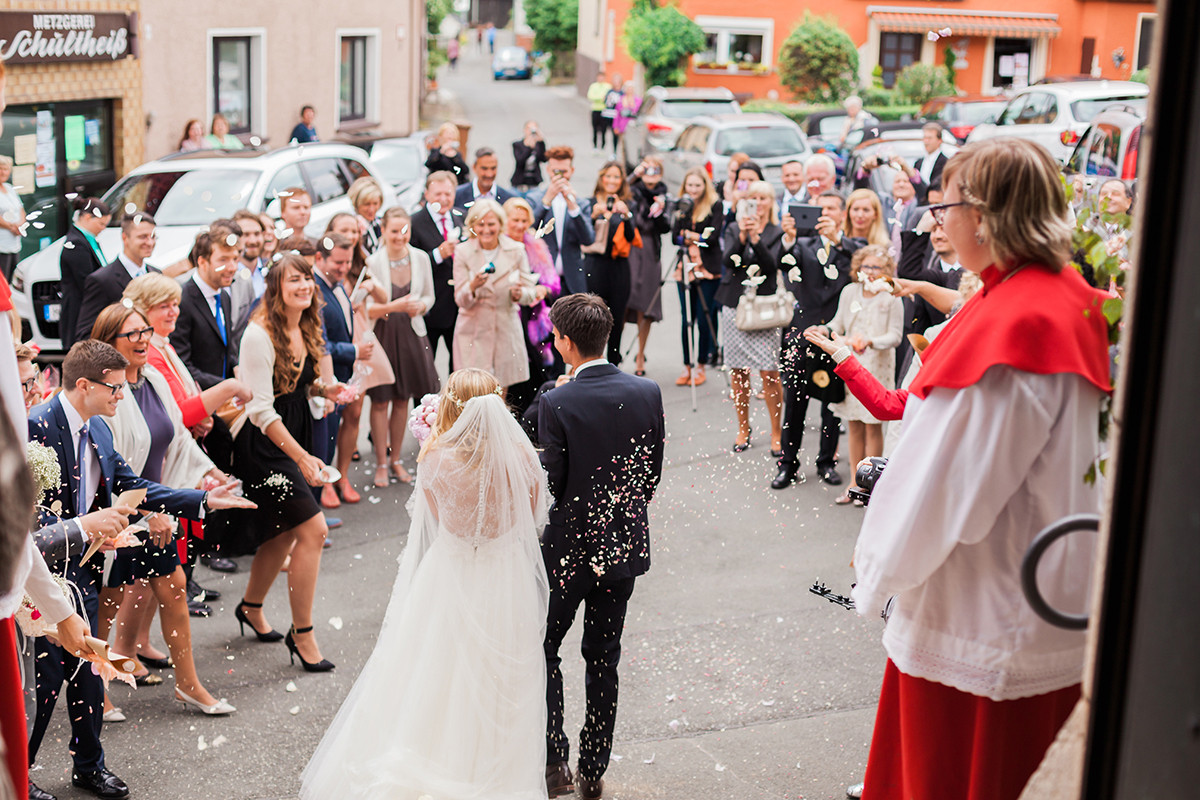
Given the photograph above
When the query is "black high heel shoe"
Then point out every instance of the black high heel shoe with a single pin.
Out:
(243, 621)
(323, 665)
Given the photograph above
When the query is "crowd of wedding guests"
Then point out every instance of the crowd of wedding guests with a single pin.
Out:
(236, 380)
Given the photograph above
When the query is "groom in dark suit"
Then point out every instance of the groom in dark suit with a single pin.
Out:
(602, 435)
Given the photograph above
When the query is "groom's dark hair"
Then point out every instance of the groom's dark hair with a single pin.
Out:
(585, 320)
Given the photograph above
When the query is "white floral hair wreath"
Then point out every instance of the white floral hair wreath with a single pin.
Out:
(498, 391)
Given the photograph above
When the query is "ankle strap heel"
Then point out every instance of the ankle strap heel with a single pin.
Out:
(320, 666)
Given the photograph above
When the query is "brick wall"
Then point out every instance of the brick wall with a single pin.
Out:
(86, 80)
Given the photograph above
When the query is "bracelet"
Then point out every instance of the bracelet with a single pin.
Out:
(842, 353)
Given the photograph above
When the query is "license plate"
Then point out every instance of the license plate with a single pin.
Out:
(51, 312)
(773, 174)
(510, 72)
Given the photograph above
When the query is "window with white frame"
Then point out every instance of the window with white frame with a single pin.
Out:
(233, 91)
(747, 42)
(358, 71)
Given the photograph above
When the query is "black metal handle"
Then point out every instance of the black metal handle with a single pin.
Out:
(1029, 565)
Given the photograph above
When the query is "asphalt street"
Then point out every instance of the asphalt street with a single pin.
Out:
(735, 681)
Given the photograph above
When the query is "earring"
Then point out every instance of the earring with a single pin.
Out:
(979, 239)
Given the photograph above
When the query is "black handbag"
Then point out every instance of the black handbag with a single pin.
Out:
(819, 379)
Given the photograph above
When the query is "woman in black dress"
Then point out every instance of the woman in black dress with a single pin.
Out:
(645, 262)
(608, 271)
(697, 232)
(283, 350)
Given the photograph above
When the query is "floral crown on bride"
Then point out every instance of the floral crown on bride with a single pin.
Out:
(498, 391)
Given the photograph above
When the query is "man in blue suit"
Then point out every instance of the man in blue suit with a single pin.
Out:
(602, 434)
(572, 227)
(335, 253)
(483, 186)
(93, 474)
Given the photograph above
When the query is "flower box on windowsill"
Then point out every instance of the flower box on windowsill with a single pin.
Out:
(714, 68)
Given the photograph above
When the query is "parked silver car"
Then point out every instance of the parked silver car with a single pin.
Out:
(666, 112)
(1055, 115)
(185, 192)
(770, 139)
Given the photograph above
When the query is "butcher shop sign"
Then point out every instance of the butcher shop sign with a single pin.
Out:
(49, 37)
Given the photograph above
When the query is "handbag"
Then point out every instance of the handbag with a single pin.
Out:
(760, 312)
(600, 243)
(380, 369)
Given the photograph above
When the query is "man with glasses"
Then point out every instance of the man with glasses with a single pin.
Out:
(93, 475)
(105, 286)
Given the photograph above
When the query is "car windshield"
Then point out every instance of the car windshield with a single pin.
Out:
(397, 165)
(832, 126)
(186, 197)
(511, 54)
(686, 109)
(975, 113)
(1084, 110)
(760, 141)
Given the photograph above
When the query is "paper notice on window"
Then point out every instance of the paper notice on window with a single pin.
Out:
(25, 148)
(46, 170)
(1007, 67)
(23, 178)
(45, 127)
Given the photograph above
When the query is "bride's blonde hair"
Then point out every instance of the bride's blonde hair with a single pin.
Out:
(460, 387)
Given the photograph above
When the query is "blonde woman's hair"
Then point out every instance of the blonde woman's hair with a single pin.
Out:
(480, 209)
(879, 251)
(460, 387)
(761, 190)
(877, 233)
(147, 291)
(704, 207)
(514, 203)
(363, 190)
(1014, 184)
(6, 161)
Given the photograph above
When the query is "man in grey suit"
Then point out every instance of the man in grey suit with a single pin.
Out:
(572, 228)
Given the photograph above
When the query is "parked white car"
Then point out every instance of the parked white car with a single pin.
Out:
(185, 192)
(770, 139)
(1055, 115)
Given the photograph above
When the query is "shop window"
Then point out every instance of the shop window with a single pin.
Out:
(356, 74)
(736, 42)
(232, 59)
(1145, 40)
(1010, 62)
(897, 51)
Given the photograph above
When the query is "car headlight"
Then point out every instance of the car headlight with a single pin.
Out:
(18, 280)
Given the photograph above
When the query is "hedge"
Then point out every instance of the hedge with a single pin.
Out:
(798, 112)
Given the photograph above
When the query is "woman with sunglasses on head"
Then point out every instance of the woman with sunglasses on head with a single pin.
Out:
(607, 267)
(645, 262)
(148, 431)
(699, 223)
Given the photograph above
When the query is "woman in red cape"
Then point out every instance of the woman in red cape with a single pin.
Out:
(1000, 429)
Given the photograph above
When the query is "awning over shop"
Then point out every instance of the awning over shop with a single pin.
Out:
(980, 23)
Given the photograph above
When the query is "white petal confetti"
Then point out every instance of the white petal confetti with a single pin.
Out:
(220, 740)
(201, 745)
(823, 255)
(130, 208)
(719, 767)
(768, 703)
(736, 259)
(374, 499)
(788, 259)
(649, 760)
(291, 686)
(673, 724)
(704, 234)
(294, 710)
(335, 623)
(794, 275)
(615, 757)
(831, 272)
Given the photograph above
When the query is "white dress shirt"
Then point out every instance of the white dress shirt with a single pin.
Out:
(978, 473)
(490, 194)
(927, 164)
(134, 270)
(559, 207)
(75, 422)
(210, 294)
(595, 362)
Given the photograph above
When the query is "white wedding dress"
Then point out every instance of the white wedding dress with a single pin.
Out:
(452, 703)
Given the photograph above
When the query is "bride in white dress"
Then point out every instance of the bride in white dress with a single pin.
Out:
(452, 703)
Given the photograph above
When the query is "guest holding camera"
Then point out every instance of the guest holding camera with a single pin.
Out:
(529, 153)
(869, 321)
(645, 262)
(699, 221)
(1000, 431)
(445, 155)
(750, 261)
(607, 263)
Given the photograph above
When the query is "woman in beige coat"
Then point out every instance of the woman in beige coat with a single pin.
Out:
(491, 277)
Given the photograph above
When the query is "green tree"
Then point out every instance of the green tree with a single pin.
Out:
(818, 61)
(555, 27)
(917, 83)
(435, 12)
(951, 65)
(660, 39)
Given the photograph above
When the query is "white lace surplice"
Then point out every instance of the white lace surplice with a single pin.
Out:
(451, 703)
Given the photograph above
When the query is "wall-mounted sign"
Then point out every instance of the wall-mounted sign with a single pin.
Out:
(45, 38)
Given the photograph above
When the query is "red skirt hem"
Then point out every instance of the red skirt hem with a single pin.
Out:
(933, 741)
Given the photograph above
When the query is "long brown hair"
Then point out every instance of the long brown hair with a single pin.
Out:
(110, 320)
(272, 316)
(704, 207)
(622, 192)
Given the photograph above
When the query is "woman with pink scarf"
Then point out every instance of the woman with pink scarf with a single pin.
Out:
(535, 319)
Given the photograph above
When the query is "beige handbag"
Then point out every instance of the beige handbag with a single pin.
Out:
(600, 243)
(758, 312)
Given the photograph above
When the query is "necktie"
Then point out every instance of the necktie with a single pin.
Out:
(83, 459)
(445, 230)
(221, 321)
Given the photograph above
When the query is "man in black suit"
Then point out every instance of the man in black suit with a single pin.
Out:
(81, 256)
(436, 229)
(602, 434)
(816, 279)
(483, 187)
(926, 255)
(927, 171)
(105, 286)
(93, 474)
(572, 228)
(203, 336)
